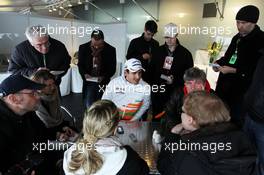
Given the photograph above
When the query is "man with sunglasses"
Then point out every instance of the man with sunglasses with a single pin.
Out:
(144, 46)
(97, 64)
(19, 99)
(39, 51)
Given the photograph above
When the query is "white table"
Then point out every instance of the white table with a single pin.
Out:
(71, 81)
(211, 75)
(65, 85)
(76, 80)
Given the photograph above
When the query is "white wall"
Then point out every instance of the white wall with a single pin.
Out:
(165, 10)
(193, 9)
(12, 30)
(76, 32)
(169, 11)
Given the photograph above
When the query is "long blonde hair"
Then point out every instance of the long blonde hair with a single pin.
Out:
(205, 108)
(100, 121)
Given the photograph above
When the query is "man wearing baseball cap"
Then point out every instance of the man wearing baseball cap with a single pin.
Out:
(168, 66)
(19, 98)
(239, 62)
(129, 92)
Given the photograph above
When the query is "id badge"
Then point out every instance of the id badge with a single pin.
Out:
(168, 62)
(233, 58)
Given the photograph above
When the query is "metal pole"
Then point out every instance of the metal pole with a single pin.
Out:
(103, 11)
(137, 4)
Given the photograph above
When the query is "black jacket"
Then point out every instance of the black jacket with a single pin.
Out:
(254, 98)
(108, 64)
(25, 59)
(137, 48)
(17, 133)
(173, 108)
(232, 87)
(134, 164)
(181, 62)
(225, 150)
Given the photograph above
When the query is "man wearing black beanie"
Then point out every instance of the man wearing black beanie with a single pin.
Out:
(237, 68)
(240, 60)
(248, 13)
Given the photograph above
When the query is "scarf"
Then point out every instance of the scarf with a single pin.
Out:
(97, 60)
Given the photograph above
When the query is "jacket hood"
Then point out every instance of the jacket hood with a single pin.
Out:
(112, 153)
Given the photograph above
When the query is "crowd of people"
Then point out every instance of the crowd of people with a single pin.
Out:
(222, 131)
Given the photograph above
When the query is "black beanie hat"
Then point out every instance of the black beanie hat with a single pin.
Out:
(249, 13)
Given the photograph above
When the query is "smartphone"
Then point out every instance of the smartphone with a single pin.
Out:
(214, 65)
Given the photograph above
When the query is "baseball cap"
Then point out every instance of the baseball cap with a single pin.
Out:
(97, 34)
(17, 82)
(133, 65)
(170, 30)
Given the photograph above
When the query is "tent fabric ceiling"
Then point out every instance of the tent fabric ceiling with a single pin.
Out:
(18, 5)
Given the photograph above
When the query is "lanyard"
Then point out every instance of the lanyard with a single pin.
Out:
(238, 40)
(170, 53)
(44, 60)
(234, 56)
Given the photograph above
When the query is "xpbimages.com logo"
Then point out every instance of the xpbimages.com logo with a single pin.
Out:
(50, 146)
(127, 89)
(192, 146)
(196, 30)
(79, 31)
(56, 146)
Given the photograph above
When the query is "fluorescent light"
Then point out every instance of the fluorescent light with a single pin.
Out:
(54, 9)
(69, 4)
(50, 9)
(86, 7)
(61, 6)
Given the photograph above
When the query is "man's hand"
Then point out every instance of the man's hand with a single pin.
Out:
(146, 56)
(215, 66)
(177, 129)
(63, 137)
(68, 131)
(227, 70)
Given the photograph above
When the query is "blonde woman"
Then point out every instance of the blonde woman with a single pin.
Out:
(206, 142)
(99, 152)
